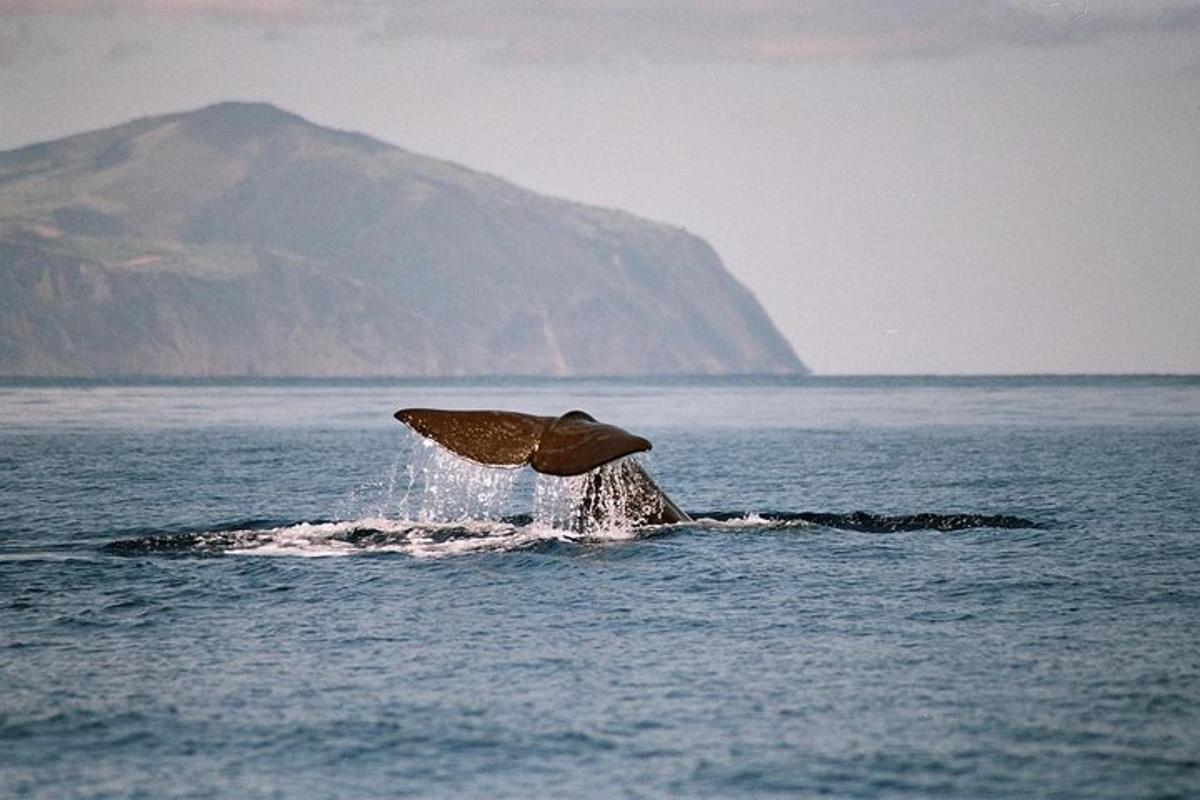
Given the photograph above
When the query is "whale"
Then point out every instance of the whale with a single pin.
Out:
(575, 443)
(572, 444)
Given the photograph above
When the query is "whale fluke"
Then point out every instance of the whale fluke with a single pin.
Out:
(572, 444)
(496, 438)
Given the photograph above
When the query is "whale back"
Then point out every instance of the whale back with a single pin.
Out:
(572, 444)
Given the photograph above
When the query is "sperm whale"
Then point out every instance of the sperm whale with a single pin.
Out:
(577, 444)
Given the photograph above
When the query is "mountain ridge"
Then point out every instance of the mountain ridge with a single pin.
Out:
(241, 239)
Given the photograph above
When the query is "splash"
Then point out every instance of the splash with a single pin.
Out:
(440, 504)
(446, 488)
(607, 502)
(378, 498)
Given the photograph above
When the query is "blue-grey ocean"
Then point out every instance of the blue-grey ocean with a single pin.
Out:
(258, 590)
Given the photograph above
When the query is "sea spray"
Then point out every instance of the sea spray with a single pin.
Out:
(429, 484)
(607, 502)
(446, 488)
(378, 498)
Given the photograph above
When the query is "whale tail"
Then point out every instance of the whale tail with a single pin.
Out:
(572, 444)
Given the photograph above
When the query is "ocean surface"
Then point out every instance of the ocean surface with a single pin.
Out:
(261, 590)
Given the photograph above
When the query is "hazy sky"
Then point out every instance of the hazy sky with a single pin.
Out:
(923, 186)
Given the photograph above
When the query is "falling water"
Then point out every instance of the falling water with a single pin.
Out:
(446, 488)
(558, 501)
(607, 501)
(378, 498)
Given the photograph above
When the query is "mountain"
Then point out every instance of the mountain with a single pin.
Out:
(243, 240)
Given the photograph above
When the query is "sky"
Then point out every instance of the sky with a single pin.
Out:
(908, 186)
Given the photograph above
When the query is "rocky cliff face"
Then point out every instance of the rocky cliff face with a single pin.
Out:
(242, 240)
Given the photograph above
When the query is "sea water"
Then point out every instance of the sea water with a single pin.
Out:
(275, 590)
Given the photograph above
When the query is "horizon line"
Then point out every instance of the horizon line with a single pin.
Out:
(150, 380)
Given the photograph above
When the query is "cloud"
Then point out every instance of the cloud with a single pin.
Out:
(756, 31)
(771, 31)
(246, 10)
(24, 38)
(22, 42)
(124, 51)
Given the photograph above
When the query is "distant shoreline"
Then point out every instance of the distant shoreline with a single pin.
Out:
(814, 381)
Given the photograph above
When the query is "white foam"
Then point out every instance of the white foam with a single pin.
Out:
(749, 520)
(409, 537)
(306, 539)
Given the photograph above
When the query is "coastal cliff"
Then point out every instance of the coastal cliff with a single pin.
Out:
(240, 239)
